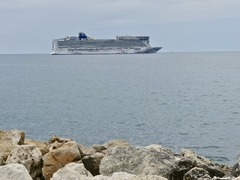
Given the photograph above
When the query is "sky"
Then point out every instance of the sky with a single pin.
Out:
(29, 26)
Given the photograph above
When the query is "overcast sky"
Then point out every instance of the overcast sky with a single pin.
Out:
(28, 26)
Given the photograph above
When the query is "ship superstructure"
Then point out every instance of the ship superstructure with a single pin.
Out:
(86, 45)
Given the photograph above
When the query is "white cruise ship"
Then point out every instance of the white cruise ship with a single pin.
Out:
(86, 45)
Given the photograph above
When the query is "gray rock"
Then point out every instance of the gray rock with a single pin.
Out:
(14, 172)
(9, 138)
(150, 160)
(87, 150)
(72, 171)
(115, 143)
(99, 148)
(29, 156)
(195, 174)
(127, 176)
(236, 168)
(237, 178)
(202, 162)
(100, 177)
(92, 162)
(2, 162)
(121, 176)
(147, 177)
(182, 167)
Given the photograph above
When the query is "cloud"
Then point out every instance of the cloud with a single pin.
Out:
(28, 21)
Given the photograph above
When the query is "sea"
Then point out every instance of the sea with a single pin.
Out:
(178, 100)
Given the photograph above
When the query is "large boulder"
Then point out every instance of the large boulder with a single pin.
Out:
(150, 160)
(9, 138)
(29, 156)
(58, 158)
(41, 145)
(71, 171)
(14, 172)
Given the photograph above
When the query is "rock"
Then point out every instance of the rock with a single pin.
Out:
(237, 178)
(9, 138)
(2, 162)
(236, 168)
(51, 165)
(87, 150)
(100, 177)
(71, 171)
(195, 173)
(182, 167)
(201, 162)
(29, 156)
(150, 160)
(147, 177)
(92, 162)
(127, 176)
(14, 172)
(120, 176)
(114, 143)
(67, 153)
(58, 158)
(99, 148)
(56, 142)
(207, 177)
(41, 145)
(54, 138)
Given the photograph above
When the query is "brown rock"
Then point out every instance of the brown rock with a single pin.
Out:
(51, 165)
(57, 158)
(56, 142)
(9, 138)
(67, 153)
(41, 145)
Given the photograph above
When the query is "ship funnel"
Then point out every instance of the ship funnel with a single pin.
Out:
(82, 36)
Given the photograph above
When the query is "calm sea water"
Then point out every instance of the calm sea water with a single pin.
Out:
(177, 100)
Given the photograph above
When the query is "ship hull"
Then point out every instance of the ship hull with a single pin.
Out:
(109, 51)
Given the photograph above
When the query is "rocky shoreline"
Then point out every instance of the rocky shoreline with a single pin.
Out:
(66, 159)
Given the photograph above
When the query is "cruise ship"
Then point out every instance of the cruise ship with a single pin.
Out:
(83, 44)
